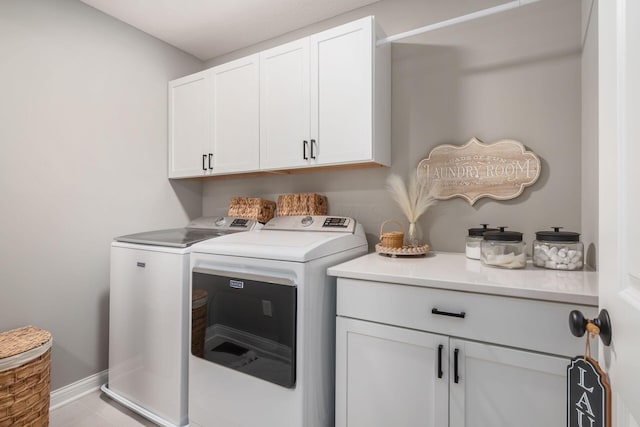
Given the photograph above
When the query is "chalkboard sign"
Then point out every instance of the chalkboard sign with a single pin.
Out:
(588, 394)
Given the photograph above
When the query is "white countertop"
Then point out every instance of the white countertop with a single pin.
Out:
(454, 271)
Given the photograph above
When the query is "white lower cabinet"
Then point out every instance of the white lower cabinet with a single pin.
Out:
(388, 376)
(410, 356)
(503, 387)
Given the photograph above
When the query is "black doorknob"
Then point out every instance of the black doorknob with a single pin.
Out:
(578, 325)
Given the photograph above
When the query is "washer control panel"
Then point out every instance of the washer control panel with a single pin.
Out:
(223, 223)
(312, 223)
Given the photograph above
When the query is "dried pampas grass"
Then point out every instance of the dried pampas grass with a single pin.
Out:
(415, 199)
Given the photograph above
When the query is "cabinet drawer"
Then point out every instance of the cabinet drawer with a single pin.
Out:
(530, 324)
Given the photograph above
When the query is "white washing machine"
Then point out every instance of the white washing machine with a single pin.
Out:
(149, 308)
(269, 351)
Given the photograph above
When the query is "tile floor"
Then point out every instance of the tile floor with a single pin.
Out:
(95, 410)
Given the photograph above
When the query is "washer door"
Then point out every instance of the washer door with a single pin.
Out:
(247, 324)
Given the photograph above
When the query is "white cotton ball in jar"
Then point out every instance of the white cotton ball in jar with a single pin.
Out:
(558, 250)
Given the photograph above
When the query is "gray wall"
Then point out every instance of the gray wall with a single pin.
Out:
(590, 130)
(83, 131)
(515, 75)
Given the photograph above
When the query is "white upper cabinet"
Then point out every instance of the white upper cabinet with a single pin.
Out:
(214, 118)
(344, 95)
(325, 100)
(235, 116)
(189, 125)
(284, 106)
(320, 101)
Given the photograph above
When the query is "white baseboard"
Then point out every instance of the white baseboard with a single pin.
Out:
(74, 391)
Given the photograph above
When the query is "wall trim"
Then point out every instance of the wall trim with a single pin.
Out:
(69, 393)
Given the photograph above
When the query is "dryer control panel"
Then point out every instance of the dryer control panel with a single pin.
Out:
(341, 224)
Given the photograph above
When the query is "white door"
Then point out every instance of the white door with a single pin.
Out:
(236, 116)
(619, 201)
(284, 106)
(503, 387)
(189, 130)
(342, 93)
(388, 376)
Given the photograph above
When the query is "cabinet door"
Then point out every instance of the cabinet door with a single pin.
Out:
(189, 130)
(342, 93)
(235, 116)
(388, 376)
(501, 387)
(284, 106)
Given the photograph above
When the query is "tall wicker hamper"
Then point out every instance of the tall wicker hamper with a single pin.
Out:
(198, 321)
(25, 365)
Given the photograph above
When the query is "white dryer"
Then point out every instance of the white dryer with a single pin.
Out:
(149, 306)
(269, 352)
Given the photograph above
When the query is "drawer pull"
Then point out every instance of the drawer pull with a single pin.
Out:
(440, 361)
(456, 378)
(446, 313)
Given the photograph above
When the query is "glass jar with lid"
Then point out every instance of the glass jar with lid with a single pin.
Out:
(504, 249)
(558, 250)
(476, 235)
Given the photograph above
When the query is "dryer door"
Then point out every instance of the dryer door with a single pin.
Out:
(248, 323)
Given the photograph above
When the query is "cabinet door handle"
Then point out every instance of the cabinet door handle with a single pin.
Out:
(447, 313)
(210, 156)
(204, 159)
(456, 378)
(440, 373)
(313, 141)
(304, 150)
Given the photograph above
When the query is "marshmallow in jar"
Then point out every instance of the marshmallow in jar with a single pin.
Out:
(558, 250)
(476, 235)
(504, 249)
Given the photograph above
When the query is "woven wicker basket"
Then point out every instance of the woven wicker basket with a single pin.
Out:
(391, 239)
(302, 204)
(252, 207)
(25, 365)
(198, 321)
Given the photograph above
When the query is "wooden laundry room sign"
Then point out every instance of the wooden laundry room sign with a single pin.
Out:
(499, 170)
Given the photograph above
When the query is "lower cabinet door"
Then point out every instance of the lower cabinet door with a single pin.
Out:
(502, 387)
(388, 376)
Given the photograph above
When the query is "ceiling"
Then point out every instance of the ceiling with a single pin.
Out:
(210, 28)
